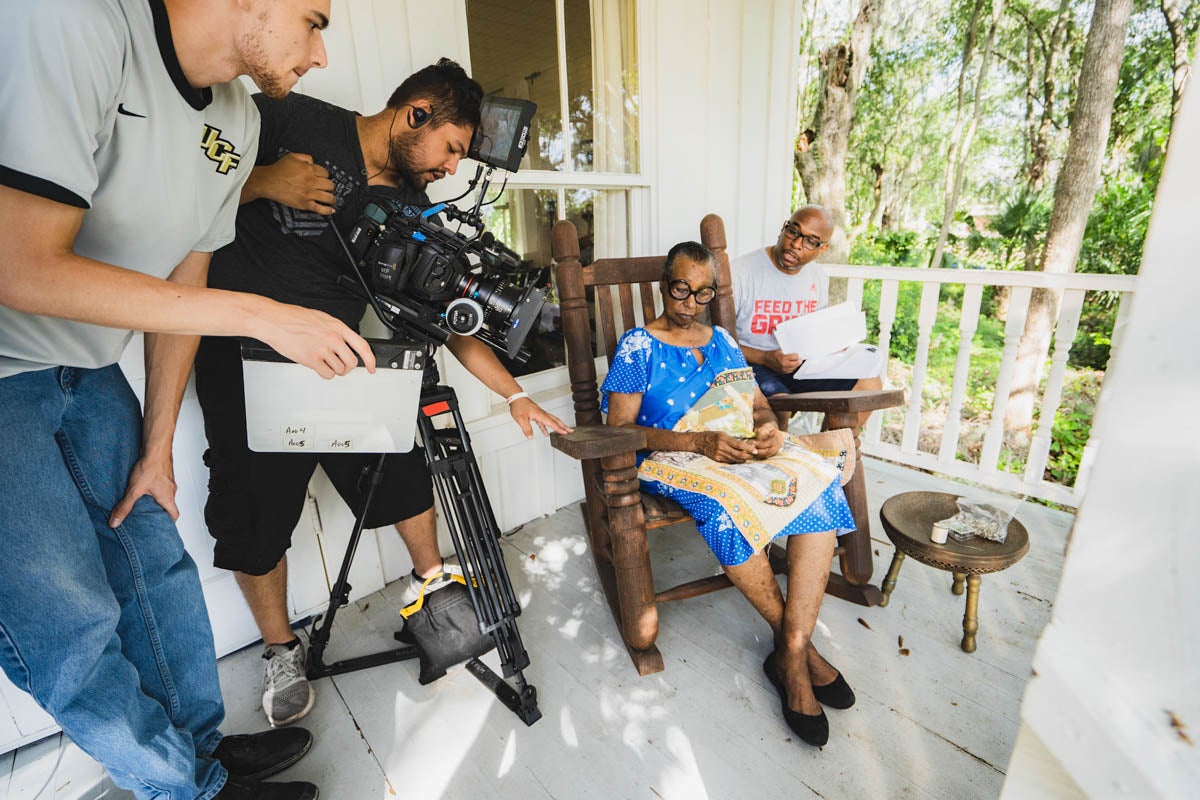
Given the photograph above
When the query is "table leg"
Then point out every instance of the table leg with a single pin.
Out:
(971, 618)
(893, 573)
(957, 587)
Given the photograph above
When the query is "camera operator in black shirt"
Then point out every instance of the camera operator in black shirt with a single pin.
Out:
(315, 162)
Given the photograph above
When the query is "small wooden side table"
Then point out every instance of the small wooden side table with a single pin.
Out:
(908, 518)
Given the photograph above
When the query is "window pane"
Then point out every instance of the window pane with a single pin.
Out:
(523, 219)
(580, 97)
(602, 84)
(514, 54)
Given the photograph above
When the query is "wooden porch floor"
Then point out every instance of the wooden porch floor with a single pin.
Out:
(936, 723)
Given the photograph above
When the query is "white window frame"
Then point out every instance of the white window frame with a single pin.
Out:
(637, 184)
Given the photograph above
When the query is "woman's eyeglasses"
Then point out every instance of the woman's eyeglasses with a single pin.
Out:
(792, 231)
(681, 290)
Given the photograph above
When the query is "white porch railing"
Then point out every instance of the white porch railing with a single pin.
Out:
(945, 460)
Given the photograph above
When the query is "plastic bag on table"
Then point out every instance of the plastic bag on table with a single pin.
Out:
(987, 519)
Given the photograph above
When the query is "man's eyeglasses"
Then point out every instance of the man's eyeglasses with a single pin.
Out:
(681, 290)
(792, 231)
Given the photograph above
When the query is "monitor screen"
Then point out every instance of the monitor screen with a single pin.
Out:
(503, 132)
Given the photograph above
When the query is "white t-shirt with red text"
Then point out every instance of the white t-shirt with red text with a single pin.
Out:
(764, 296)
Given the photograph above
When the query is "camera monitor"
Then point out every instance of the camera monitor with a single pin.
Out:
(503, 132)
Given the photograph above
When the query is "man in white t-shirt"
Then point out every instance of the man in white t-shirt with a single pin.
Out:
(777, 283)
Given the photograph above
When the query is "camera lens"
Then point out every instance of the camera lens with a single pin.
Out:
(511, 311)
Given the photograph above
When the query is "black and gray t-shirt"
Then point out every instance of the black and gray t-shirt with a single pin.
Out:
(98, 114)
(290, 255)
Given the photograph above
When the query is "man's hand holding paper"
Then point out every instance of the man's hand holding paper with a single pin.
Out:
(829, 342)
(822, 332)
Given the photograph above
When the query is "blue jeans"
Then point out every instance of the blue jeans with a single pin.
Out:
(105, 628)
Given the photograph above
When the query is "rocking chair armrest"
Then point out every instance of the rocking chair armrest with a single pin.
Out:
(598, 441)
(845, 402)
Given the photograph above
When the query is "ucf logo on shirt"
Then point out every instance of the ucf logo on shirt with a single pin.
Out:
(219, 150)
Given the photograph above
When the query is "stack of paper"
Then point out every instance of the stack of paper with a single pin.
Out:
(856, 361)
(829, 341)
(822, 332)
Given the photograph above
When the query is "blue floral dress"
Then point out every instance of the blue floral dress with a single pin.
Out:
(680, 394)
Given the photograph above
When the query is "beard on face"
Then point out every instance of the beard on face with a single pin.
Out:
(402, 152)
(257, 62)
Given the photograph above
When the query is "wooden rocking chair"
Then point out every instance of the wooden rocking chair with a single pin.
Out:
(616, 513)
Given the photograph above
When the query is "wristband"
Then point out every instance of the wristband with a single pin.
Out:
(513, 398)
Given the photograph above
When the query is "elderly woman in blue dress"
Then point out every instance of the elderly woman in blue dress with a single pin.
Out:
(715, 448)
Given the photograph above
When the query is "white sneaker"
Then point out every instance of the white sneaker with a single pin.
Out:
(287, 694)
(412, 589)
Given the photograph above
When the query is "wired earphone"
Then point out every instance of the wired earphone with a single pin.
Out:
(416, 118)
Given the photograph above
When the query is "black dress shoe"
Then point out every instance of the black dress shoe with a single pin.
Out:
(241, 789)
(255, 756)
(812, 728)
(835, 694)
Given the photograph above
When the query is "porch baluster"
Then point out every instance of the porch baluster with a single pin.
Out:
(1018, 310)
(967, 325)
(925, 319)
(1064, 337)
(888, 294)
(1118, 336)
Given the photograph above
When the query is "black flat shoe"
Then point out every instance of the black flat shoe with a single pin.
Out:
(254, 756)
(812, 728)
(835, 694)
(241, 789)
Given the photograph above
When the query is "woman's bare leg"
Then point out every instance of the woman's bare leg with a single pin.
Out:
(755, 580)
(808, 559)
(792, 622)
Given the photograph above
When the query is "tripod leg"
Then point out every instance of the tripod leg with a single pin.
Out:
(476, 535)
(476, 538)
(339, 596)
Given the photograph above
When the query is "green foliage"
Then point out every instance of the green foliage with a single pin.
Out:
(1142, 106)
(904, 332)
(895, 248)
(1072, 427)
(1001, 241)
(1116, 229)
(1093, 340)
(1022, 222)
(896, 169)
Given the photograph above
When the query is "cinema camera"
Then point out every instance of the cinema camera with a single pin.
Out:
(427, 280)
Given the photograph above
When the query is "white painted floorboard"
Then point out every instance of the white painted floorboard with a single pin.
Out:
(937, 723)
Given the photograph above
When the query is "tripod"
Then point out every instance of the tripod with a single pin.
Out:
(475, 534)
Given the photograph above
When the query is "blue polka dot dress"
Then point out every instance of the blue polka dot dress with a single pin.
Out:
(670, 380)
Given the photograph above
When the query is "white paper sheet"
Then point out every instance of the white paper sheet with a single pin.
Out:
(856, 361)
(822, 332)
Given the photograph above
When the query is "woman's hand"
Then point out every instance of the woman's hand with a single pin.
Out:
(769, 440)
(724, 448)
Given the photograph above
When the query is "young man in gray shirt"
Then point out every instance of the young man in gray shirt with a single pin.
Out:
(121, 149)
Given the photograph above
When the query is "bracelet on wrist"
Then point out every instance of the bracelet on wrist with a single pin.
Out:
(515, 397)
